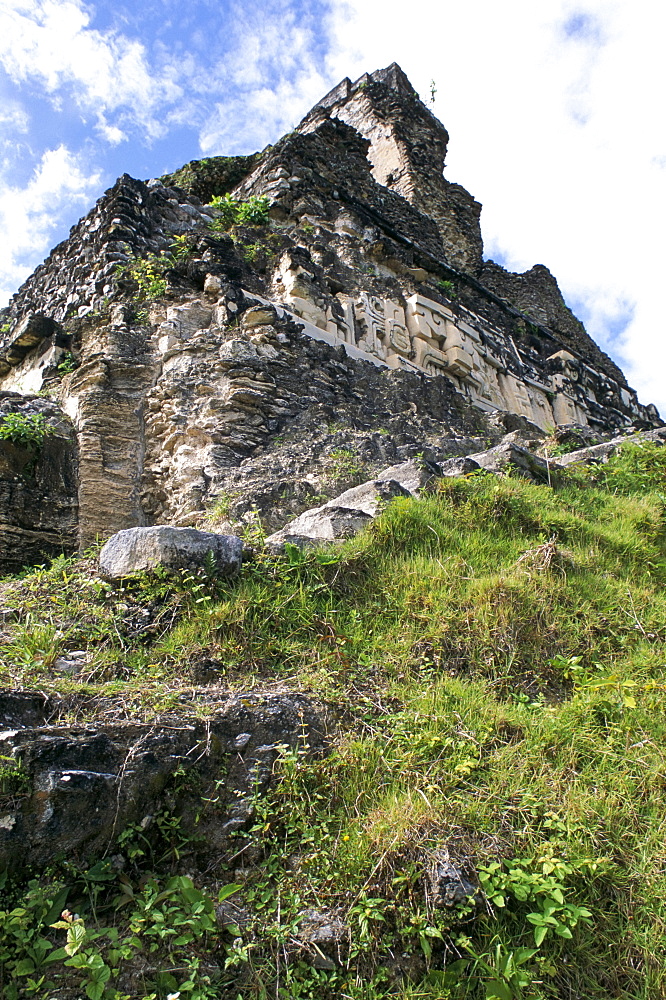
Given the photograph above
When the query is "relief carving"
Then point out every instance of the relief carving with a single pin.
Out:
(371, 324)
(398, 334)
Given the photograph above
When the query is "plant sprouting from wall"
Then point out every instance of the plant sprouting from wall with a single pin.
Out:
(149, 272)
(25, 431)
(233, 212)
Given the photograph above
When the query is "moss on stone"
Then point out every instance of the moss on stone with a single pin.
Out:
(212, 176)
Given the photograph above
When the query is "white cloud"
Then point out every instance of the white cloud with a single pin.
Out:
(272, 73)
(29, 215)
(13, 118)
(50, 43)
(111, 133)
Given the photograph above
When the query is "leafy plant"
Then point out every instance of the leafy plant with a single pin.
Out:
(68, 363)
(449, 288)
(343, 463)
(539, 882)
(254, 211)
(149, 272)
(13, 778)
(27, 431)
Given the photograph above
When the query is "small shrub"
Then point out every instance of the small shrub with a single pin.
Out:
(253, 212)
(13, 779)
(25, 431)
(449, 289)
(68, 364)
(149, 272)
(342, 463)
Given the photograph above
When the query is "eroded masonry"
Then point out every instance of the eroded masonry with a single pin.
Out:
(358, 316)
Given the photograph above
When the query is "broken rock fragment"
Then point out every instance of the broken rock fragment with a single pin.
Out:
(340, 518)
(134, 550)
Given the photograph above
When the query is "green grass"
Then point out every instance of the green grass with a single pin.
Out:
(496, 654)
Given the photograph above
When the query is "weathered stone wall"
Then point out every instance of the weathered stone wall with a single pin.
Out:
(407, 152)
(88, 783)
(537, 294)
(225, 395)
(38, 487)
(80, 275)
(365, 303)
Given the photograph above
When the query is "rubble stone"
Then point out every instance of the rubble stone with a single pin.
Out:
(135, 550)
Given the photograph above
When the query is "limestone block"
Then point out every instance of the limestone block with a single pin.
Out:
(432, 360)
(508, 454)
(459, 361)
(427, 319)
(341, 322)
(213, 284)
(134, 550)
(167, 337)
(341, 518)
(346, 226)
(31, 331)
(414, 475)
(186, 319)
(516, 396)
(467, 332)
(258, 316)
(461, 465)
(238, 352)
(566, 411)
(309, 311)
(487, 386)
(542, 412)
(396, 325)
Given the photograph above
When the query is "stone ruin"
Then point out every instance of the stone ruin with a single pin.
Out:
(363, 318)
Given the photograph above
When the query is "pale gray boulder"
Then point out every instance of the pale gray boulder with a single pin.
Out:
(340, 518)
(600, 453)
(508, 456)
(134, 550)
(347, 514)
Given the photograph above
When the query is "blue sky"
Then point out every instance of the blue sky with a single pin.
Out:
(554, 112)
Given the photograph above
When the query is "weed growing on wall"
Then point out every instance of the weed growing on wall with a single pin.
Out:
(343, 464)
(26, 431)
(233, 212)
(149, 272)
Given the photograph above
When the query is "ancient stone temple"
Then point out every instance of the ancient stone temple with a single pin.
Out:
(356, 312)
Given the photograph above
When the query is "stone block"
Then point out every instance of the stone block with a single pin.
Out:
(135, 550)
(340, 518)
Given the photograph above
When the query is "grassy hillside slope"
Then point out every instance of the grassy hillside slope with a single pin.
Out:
(494, 653)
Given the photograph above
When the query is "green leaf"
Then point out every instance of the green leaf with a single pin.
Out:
(539, 935)
(495, 990)
(522, 955)
(562, 931)
(101, 872)
(56, 956)
(228, 890)
(76, 935)
(57, 906)
(25, 967)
